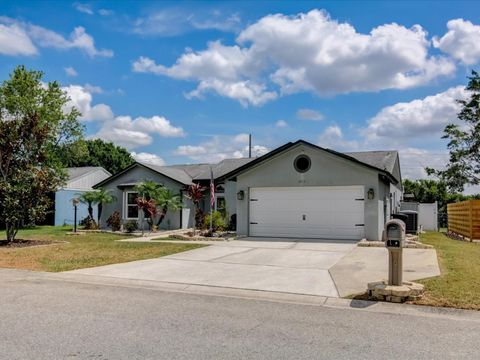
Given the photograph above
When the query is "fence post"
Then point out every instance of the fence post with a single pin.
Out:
(470, 213)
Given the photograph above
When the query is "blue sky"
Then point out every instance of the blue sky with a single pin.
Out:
(184, 82)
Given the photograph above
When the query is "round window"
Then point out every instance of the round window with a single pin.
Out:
(302, 163)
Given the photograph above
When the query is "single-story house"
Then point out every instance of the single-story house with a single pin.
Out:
(297, 190)
(80, 180)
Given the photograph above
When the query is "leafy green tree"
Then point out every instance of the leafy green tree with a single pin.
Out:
(34, 123)
(463, 167)
(96, 152)
(429, 191)
(167, 200)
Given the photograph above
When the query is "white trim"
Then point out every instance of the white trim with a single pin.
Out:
(125, 206)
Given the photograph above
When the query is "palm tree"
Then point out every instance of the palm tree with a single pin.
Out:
(195, 193)
(89, 198)
(166, 199)
(103, 197)
(148, 189)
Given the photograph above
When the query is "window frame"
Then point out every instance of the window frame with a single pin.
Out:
(126, 205)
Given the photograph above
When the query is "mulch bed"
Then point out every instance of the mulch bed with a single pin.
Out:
(24, 243)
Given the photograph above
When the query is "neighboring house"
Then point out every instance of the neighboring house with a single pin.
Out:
(80, 180)
(297, 190)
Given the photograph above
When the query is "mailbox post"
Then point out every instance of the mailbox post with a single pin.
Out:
(395, 290)
(395, 240)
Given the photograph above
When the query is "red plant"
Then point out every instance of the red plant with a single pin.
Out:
(149, 208)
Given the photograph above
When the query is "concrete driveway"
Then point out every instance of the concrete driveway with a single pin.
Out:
(283, 265)
(330, 268)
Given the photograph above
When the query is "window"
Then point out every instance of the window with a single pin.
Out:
(131, 207)
(302, 163)
(221, 204)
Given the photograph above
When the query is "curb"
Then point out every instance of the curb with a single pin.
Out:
(259, 295)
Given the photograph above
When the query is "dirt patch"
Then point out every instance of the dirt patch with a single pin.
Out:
(24, 243)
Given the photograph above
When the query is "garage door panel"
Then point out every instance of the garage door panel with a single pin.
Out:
(312, 212)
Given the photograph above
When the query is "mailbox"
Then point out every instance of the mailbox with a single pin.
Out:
(394, 235)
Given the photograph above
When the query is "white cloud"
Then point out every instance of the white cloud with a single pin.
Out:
(190, 150)
(413, 161)
(83, 8)
(15, 41)
(122, 130)
(148, 158)
(332, 138)
(132, 133)
(281, 124)
(309, 114)
(20, 38)
(462, 41)
(220, 147)
(308, 52)
(176, 21)
(70, 71)
(93, 89)
(418, 118)
(105, 12)
(81, 98)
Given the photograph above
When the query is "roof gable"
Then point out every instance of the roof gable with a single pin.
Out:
(382, 161)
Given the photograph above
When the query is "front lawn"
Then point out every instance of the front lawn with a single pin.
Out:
(80, 251)
(459, 284)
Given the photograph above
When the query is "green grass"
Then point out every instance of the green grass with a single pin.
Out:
(80, 251)
(459, 284)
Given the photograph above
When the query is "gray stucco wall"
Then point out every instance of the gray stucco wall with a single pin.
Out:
(138, 174)
(326, 170)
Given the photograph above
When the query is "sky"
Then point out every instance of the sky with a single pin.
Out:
(186, 82)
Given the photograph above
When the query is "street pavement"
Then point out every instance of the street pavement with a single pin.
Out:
(48, 317)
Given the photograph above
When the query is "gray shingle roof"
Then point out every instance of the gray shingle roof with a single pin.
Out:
(383, 160)
(222, 168)
(76, 172)
(172, 172)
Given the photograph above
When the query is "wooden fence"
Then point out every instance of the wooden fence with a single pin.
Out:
(464, 218)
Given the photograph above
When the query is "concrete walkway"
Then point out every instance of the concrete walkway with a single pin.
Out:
(280, 265)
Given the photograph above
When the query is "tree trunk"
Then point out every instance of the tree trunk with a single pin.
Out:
(162, 216)
(99, 215)
(11, 229)
(90, 211)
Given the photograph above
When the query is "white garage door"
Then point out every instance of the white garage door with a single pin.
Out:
(327, 212)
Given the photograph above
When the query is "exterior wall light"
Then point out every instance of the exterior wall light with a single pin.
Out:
(241, 195)
(371, 194)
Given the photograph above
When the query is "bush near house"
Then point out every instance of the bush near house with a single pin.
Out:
(131, 226)
(114, 222)
(219, 221)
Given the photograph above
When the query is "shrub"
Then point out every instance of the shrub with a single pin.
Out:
(114, 222)
(131, 226)
(89, 224)
(219, 223)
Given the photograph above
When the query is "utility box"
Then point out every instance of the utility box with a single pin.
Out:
(394, 242)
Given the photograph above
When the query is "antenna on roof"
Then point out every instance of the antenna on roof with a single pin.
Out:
(249, 145)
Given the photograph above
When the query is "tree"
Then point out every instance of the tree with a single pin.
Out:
(149, 209)
(103, 197)
(196, 192)
(96, 152)
(463, 167)
(89, 198)
(34, 123)
(166, 200)
(148, 190)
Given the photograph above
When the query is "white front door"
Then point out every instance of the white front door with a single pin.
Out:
(327, 212)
